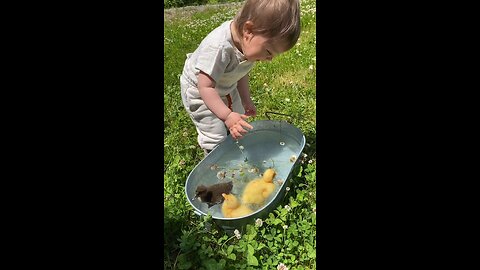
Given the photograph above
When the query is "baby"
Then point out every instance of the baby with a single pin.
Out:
(214, 82)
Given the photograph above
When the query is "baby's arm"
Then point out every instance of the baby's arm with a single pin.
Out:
(206, 87)
(244, 91)
(234, 121)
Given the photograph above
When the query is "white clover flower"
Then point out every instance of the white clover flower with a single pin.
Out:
(287, 189)
(258, 222)
(310, 161)
(282, 266)
(305, 155)
(285, 227)
(287, 100)
(291, 82)
(185, 134)
(192, 147)
(265, 84)
(221, 174)
(288, 207)
(310, 67)
(182, 162)
(237, 234)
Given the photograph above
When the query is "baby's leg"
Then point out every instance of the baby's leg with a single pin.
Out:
(211, 130)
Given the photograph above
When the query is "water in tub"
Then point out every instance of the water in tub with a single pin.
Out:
(253, 156)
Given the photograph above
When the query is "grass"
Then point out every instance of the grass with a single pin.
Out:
(285, 85)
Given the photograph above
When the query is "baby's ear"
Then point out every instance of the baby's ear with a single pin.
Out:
(247, 30)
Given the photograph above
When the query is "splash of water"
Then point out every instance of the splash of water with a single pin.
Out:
(240, 147)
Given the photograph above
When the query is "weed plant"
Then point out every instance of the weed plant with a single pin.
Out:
(286, 236)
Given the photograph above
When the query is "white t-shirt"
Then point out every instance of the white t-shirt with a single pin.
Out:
(218, 57)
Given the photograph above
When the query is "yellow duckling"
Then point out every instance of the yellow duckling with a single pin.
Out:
(232, 208)
(258, 190)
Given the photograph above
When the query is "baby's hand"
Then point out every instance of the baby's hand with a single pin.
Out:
(235, 123)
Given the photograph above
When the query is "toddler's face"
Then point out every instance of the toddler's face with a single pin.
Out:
(259, 48)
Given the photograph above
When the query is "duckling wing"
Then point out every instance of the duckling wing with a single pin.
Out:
(268, 189)
(252, 192)
(241, 211)
(252, 196)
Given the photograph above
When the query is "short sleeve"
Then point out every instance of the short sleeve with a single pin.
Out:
(213, 61)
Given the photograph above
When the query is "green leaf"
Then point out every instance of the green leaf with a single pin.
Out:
(229, 249)
(250, 249)
(222, 238)
(277, 221)
(222, 263)
(300, 171)
(252, 260)
(211, 264)
(183, 263)
(232, 256)
(293, 204)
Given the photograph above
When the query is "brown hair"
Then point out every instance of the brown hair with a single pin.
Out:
(274, 19)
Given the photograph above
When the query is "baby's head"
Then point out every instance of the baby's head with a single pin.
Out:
(269, 175)
(268, 27)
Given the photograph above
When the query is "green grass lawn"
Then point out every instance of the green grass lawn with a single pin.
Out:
(285, 85)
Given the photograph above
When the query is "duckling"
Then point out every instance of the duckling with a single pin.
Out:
(212, 195)
(232, 208)
(258, 190)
